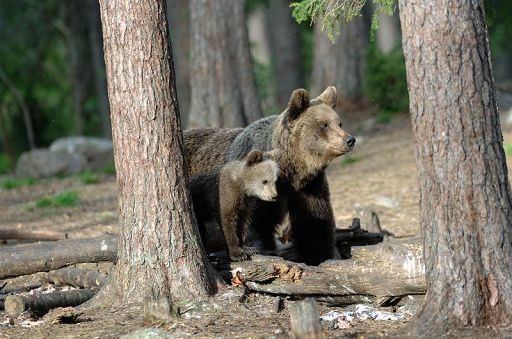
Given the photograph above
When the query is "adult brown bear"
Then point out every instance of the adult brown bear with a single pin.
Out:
(309, 135)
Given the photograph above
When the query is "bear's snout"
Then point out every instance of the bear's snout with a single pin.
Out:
(350, 141)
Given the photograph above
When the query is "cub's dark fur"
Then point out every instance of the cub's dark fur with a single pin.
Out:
(227, 197)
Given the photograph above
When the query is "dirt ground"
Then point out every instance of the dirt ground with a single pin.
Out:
(380, 174)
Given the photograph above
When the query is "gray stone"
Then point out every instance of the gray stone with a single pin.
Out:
(98, 152)
(42, 163)
(386, 201)
(147, 333)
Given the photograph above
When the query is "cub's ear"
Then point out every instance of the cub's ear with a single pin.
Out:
(329, 96)
(254, 157)
(299, 102)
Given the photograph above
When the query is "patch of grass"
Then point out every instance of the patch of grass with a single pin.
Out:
(63, 199)
(349, 159)
(5, 164)
(13, 183)
(109, 169)
(88, 177)
(384, 117)
(508, 149)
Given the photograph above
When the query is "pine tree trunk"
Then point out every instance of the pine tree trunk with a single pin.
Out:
(341, 64)
(465, 198)
(160, 252)
(223, 90)
(179, 26)
(285, 46)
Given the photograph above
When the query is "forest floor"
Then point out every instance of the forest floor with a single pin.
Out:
(380, 174)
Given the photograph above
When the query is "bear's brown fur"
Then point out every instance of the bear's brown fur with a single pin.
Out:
(226, 197)
(310, 136)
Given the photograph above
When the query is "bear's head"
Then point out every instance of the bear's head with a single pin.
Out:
(260, 175)
(315, 129)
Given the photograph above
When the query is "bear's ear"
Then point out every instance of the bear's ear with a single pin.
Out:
(274, 154)
(254, 157)
(329, 96)
(299, 102)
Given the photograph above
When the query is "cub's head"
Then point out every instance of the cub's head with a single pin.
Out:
(260, 176)
(315, 128)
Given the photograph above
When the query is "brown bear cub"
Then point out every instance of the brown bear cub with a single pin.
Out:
(225, 198)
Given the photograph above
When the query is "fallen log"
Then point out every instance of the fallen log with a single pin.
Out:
(376, 272)
(43, 257)
(21, 234)
(42, 303)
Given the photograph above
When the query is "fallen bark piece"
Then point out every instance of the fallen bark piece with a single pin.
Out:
(21, 234)
(43, 257)
(42, 303)
(305, 320)
(374, 272)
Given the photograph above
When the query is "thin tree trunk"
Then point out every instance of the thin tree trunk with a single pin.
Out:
(27, 118)
(465, 199)
(285, 45)
(159, 250)
(222, 80)
(341, 64)
(98, 64)
(179, 27)
(6, 142)
(388, 33)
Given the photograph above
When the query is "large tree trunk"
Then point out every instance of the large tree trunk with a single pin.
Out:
(98, 65)
(465, 199)
(179, 27)
(285, 46)
(160, 253)
(341, 64)
(222, 80)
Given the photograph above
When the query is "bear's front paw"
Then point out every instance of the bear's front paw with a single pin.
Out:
(237, 254)
(250, 250)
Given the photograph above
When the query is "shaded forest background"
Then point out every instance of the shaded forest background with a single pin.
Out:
(52, 74)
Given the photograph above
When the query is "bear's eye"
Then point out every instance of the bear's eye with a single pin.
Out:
(340, 124)
(324, 125)
(265, 182)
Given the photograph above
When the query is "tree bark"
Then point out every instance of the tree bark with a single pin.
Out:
(285, 46)
(341, 64)
(465, 199)
(179, 26)
(32, 258)
(223, 90)
(159, 251)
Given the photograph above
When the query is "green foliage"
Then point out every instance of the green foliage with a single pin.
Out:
(331, 10)
(508, 149)
(5, 165)
(109, 169)
(499, 25)
(349, 159)
(384, 116)
(385, 81)
(9, 184)
(264, 77)
(88, 177)
(63, 199)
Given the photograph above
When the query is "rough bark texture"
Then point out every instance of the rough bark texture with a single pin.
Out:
(285, 46)
(465, 200)
(159, 252)
(179, 27)
(223, 90)
(27, 259)
(340, 64)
